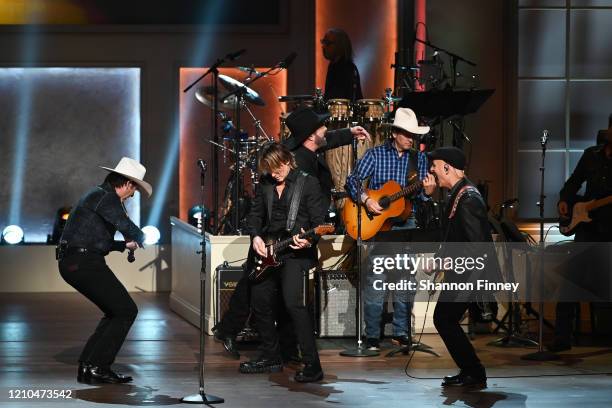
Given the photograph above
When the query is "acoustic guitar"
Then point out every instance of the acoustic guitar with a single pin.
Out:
(579, 213)
(391, 197)
(259, 267)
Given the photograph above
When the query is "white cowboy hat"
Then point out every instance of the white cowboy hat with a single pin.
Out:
(406, 120)
(134, 171)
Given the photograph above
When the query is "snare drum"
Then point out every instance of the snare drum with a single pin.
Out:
(370, 110)
(339, 109)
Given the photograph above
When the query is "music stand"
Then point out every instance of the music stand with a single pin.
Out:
(445, 103)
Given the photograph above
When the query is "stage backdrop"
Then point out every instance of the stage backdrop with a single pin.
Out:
(56, 126)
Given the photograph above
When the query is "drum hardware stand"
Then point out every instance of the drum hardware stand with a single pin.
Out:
(541, 354)
(360, 351)
(201, 397)
(239, 93)
(214, 70)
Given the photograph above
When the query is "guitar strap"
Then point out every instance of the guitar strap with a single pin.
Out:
(296, 197)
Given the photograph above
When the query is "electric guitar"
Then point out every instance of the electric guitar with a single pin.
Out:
(579, 213)
(259, 267)
(390, 198)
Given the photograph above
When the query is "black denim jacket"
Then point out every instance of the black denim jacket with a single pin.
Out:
(95, 219)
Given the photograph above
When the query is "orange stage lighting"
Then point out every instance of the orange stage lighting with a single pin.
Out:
(372, 27)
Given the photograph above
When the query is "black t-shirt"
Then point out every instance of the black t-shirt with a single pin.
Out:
(342, 81)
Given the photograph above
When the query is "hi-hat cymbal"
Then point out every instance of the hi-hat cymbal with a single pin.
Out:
(250, 95)
(204, 94)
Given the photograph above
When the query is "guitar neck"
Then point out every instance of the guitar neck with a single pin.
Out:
(599, 203)
(406, 191)
(281, 245)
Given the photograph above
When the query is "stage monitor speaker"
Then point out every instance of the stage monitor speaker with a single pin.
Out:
(226, 279)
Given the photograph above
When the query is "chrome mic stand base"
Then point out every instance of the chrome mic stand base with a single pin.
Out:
(202, 399)
(359, 352)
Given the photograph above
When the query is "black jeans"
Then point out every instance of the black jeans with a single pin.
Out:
(447, 317)
(287, 281)
(90, 275)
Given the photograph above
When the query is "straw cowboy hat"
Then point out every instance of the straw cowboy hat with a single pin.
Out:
(134, 171)
(406, 120)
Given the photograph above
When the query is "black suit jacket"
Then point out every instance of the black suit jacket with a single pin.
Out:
(309, 213)
(314, 163)
(470, 232)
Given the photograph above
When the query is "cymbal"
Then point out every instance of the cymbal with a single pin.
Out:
(250, 95)
(204, 94)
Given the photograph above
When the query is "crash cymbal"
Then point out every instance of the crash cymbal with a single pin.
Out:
(232, 84)
(204, 94)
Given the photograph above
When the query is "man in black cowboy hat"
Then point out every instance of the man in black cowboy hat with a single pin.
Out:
(310, 139)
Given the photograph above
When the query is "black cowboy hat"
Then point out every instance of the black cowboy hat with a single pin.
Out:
(302, 123)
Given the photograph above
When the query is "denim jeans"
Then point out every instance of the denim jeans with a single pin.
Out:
(374, 299)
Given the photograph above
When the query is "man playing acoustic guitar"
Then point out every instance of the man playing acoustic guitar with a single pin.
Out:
(394, 160)
(287, 202)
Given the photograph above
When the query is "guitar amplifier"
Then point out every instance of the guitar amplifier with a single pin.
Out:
(226, 279)
(337, 302)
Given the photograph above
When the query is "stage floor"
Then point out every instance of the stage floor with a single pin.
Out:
(41, 336)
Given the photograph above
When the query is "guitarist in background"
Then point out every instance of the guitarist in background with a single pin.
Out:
(393, 160)
(595, 169)
(287, 202)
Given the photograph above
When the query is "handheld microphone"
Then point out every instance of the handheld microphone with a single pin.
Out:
(233, 55)
(287, 61)
(131, 258)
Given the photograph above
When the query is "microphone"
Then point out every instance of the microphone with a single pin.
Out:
(287, 61)
(202, 165)
(453, 124)
(131, 258)
(233, 55)
(544, 138)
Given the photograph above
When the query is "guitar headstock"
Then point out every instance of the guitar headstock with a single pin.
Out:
(325, 229)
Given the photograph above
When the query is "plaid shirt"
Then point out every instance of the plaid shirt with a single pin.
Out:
(381, 164)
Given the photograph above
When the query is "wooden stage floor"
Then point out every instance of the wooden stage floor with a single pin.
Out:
(41, 336)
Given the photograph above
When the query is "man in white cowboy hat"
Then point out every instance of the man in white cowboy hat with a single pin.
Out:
(87, 238)
(393, 160)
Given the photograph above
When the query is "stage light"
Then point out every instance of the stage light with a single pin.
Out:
(202, 49)
(152, 235)
(12, 234)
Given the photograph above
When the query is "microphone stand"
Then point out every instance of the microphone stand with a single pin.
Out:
(201, 397)
(360, 351)
(541, 354)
